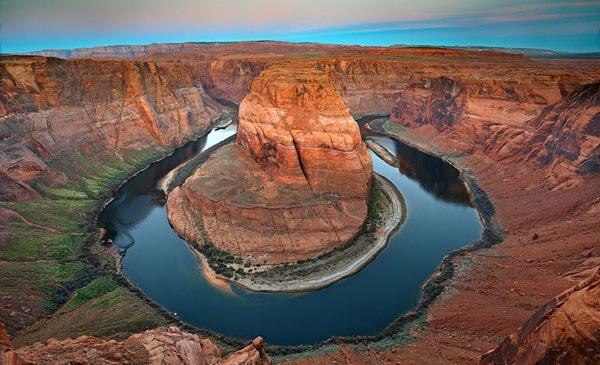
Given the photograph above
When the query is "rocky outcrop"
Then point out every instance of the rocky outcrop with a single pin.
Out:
(253, 354)
(51, 107)
(294, 121)
(565, 330)
(295, 186)
(567, 136)
(154, 347)
(511, 123)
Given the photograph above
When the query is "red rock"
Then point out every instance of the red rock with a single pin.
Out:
(155, 347)
(51, 107)
(296, 186)
(565, 330)
(295, 120)
(253, 354)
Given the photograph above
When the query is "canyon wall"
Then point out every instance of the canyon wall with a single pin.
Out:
(296, 185)
(503, 113)
(51, 107)
(517, 123)
(294, 120)
(489, 105)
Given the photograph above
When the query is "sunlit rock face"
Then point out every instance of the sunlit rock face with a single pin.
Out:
(52, 108)
(157, 346)
(296, 122)
(295, 185)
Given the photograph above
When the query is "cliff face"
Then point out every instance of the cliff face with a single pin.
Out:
(229, 79)
(565, 330)
(507, 113)
(294, 120)
(481, 102)
(568, 135)
(158, 346)
(51, 107)
(296, 184)
(511, 124)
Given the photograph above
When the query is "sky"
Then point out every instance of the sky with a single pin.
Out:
(572, 26)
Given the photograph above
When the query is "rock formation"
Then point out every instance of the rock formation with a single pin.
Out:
(565, 330)
(153, 347)
(567, 136)
(51, 107)
(515, 127)
(297, 183)
(294, 121)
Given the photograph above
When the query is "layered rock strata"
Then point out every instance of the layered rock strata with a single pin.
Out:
(294, 186)
(51, 107)
(561, 138)
(565, 330)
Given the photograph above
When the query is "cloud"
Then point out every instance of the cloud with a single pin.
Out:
(27, 24)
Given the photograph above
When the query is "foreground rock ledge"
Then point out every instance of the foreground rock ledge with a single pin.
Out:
(157, 346)
(564, 330)
(296, 184)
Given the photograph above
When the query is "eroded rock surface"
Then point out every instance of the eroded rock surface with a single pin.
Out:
(154, 347)
(511, 123)
(50, 108)
(565, 330)
(296, 184)
(295, 121)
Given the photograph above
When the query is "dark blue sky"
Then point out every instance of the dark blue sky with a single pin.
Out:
(43, 24)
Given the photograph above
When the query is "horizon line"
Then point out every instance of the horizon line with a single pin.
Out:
(406, 45)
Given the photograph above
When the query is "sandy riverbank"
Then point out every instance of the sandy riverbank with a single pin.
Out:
(382, 152)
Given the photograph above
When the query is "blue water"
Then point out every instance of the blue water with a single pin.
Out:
(440, 219)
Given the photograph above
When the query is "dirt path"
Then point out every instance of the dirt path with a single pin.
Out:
(10, 212)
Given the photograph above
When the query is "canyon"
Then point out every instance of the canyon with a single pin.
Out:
(51, 107)
(525, 129)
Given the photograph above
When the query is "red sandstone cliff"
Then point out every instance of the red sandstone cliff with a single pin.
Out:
(51, 107)
(565, 330)
(294, 119)
(512, 124)
(501, 111)
(297, 183)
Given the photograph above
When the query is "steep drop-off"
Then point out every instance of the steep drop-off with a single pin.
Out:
(296, 184)
(521, 126)
(51, 107)
(560, 138)
(565, 330)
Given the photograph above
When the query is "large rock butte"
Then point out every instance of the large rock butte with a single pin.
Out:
(296, 184)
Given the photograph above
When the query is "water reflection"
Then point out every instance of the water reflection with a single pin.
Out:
(432, 173)
(135, 200)
(164, 267)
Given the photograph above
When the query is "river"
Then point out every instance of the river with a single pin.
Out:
(440, 219)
